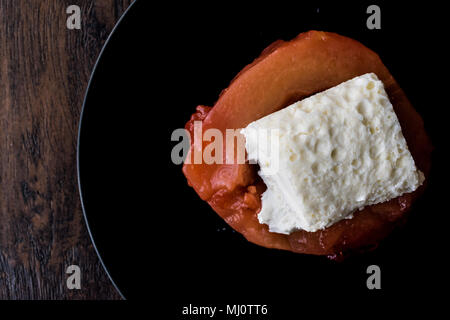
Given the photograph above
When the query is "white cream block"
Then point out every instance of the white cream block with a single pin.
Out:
(338, 151)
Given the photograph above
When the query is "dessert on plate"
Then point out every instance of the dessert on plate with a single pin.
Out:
(335, 152)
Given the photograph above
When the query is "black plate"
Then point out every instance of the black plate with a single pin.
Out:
(154, 234)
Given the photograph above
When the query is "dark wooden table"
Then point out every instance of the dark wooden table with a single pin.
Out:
(44, 72)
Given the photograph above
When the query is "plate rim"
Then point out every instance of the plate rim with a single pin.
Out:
(80, 124)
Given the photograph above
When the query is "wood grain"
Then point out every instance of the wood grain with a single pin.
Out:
(44, 71)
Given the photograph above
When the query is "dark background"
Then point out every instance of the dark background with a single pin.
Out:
(157, 236)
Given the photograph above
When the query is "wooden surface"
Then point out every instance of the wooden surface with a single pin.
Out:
(44, 71)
